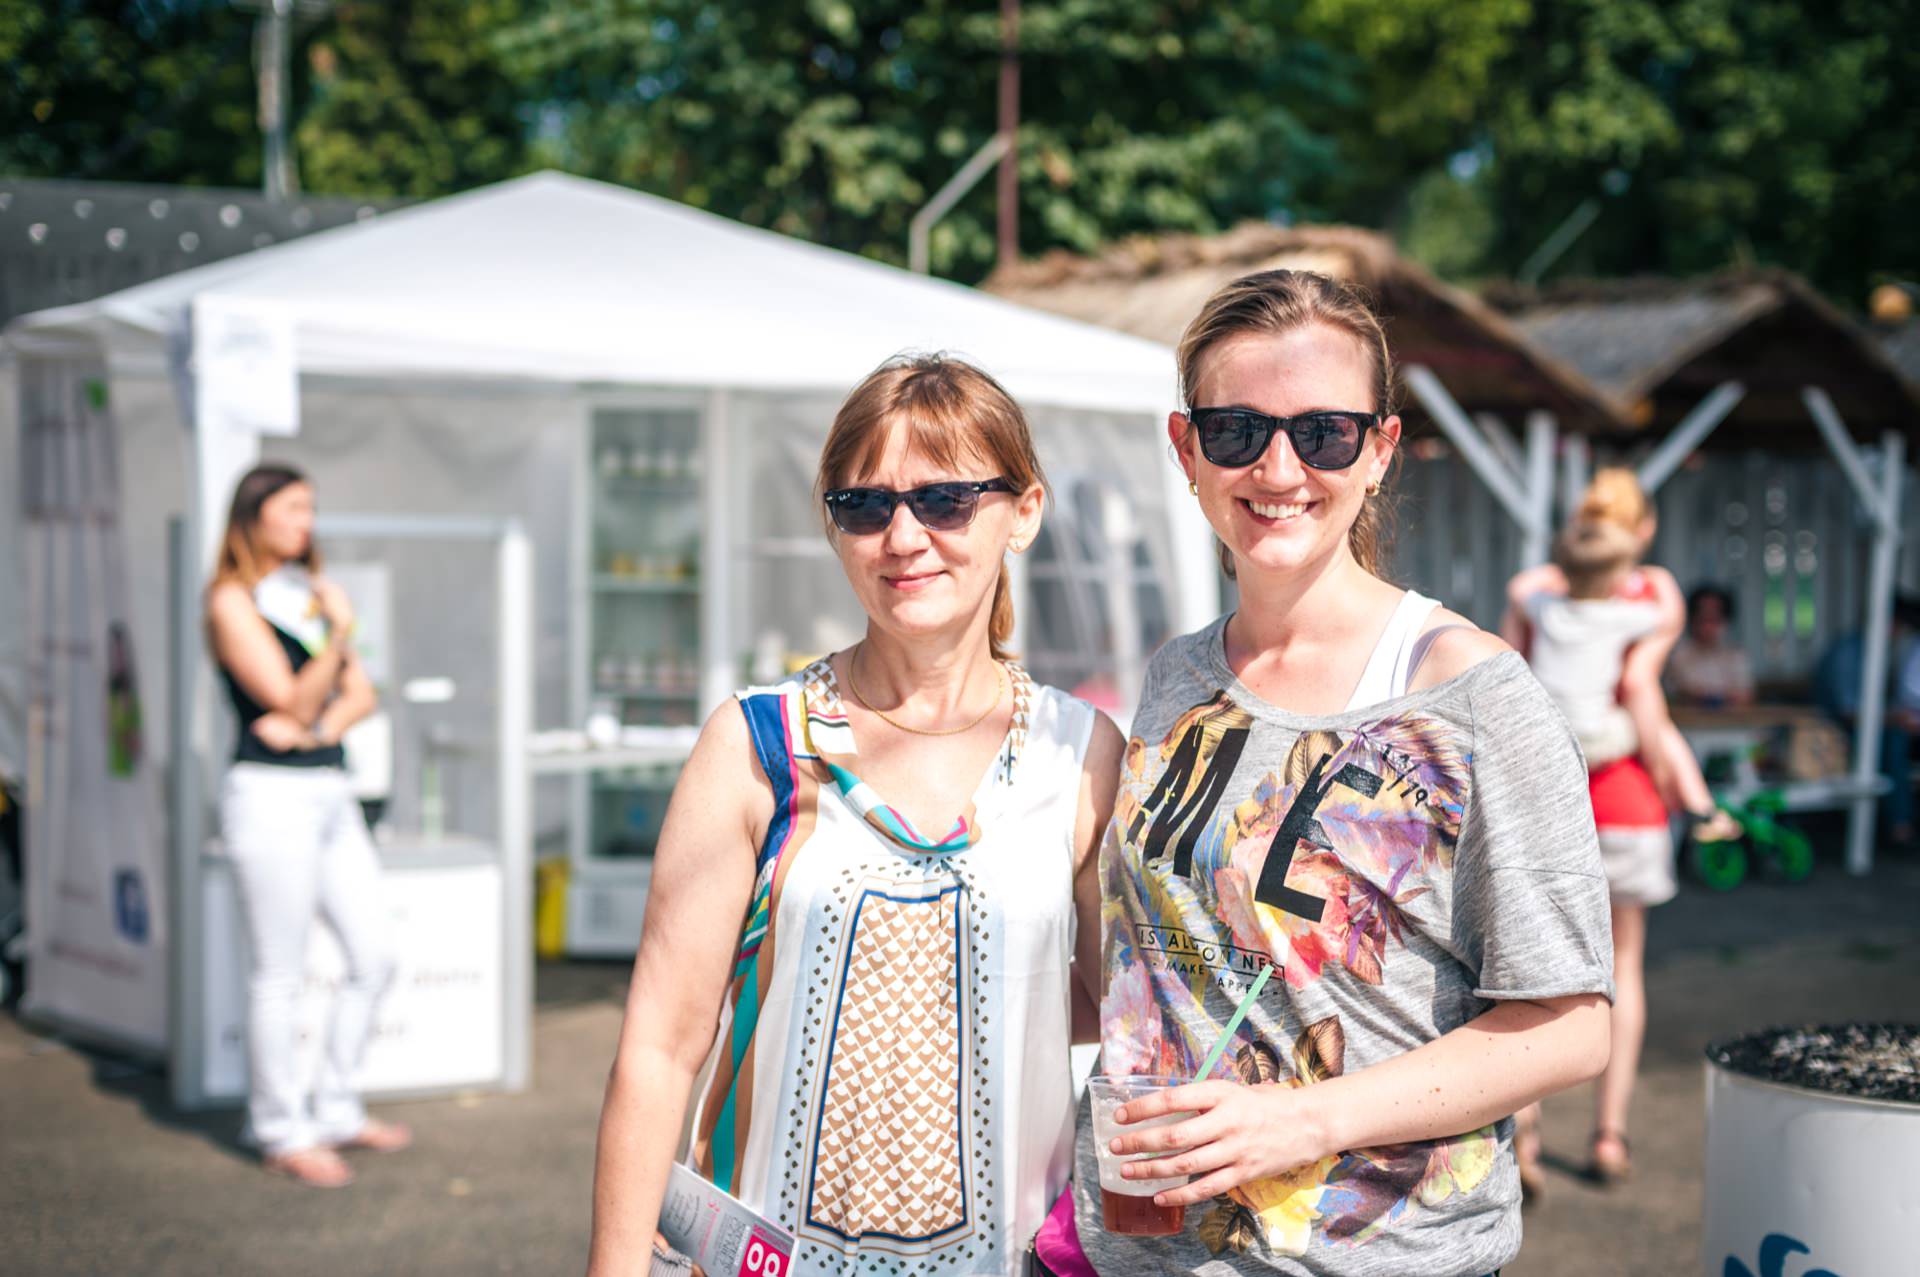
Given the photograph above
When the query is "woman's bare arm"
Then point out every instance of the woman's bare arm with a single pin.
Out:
(1488, 1068)
(1668, 759)
(703, 881)
(1099, 779)
(355, 701)
(244, 644)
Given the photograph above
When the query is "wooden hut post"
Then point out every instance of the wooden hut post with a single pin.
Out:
(1689, 435)
(1882, 500)
(1527, 496)
(1542, 432)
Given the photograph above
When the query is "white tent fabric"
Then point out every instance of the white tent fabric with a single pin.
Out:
(559, 278)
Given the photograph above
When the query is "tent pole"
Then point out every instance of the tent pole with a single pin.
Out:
(1689, 434)
(1196, 575)
(719, 644)
(186, 1005)
(1541, 435)
(513, 717)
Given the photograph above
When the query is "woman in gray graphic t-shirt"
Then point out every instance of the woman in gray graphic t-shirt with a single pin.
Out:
(1348, 783)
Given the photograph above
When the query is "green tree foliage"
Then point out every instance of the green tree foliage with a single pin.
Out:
(1711, 131)
(1425, 70)
(117, 89)
(407, 97)
(1725, 131)
(391, 97)
(837, 121)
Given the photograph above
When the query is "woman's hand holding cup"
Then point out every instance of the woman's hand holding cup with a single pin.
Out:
(1236, 1134)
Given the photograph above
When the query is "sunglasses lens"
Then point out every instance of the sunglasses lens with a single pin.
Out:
(861, 511)
(1328, 440)
(943, 507)
(1233, 439)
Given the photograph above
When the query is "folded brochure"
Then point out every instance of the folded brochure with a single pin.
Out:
(719, 1232)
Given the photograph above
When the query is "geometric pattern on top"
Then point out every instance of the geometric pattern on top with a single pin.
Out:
(893, 1075)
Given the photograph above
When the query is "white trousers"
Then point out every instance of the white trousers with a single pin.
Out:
(300, 852)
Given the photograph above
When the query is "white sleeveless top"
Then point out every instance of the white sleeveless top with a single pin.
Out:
(1397, 653)
(892, 1081)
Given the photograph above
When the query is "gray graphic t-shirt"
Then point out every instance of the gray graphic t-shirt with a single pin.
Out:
(1403, 866)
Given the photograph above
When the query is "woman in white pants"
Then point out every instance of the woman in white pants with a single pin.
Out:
(282, 634)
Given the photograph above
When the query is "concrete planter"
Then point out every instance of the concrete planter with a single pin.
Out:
(1803, 1178)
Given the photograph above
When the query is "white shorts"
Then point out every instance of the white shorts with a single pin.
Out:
(1639, 865)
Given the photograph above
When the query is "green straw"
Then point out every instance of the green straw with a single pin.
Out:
(1239, 1014)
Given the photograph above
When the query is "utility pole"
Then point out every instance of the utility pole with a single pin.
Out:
(272, 59)
(1009, 194)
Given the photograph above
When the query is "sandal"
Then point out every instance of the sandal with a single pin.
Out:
(314, 1167)
(380, 1137)
(1606, 1169)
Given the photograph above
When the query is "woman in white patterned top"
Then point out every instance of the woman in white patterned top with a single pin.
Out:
(864, 895)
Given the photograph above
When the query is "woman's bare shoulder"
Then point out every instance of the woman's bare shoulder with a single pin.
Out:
(1456, 647)
(229, 603)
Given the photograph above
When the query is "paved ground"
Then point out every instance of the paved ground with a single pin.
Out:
(101, 1176)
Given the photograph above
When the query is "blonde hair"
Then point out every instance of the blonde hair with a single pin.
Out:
(1615, 496)
(1594, 554)
(1273, 302)
(239, 560)
(952, 412)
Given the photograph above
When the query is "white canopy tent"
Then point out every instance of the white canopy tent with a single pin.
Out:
(456, 359)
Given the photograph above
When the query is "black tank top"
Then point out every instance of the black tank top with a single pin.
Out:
(249, 748)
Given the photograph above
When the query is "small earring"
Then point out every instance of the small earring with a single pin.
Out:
(1373, 489)
(1193, 487)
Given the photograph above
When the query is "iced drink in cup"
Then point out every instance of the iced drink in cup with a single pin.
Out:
(1126, 1205)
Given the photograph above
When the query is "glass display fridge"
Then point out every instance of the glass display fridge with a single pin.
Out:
(637, 666)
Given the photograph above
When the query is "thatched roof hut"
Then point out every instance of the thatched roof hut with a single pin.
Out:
(1656, 347)
(1152, 285)
(1901, 345)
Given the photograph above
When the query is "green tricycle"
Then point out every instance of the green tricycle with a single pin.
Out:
(1724, 864)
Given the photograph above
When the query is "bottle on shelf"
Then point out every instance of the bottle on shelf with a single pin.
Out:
(666, 458)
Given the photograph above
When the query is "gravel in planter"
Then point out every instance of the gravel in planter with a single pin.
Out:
(1862, 1061)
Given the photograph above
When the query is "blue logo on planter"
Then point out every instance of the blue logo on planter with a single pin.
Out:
(130, 905)
(1773, 1259)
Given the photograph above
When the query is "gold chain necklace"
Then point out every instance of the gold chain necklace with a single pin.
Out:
(853, 686)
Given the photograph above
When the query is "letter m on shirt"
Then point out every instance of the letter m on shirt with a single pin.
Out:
(1211, 739)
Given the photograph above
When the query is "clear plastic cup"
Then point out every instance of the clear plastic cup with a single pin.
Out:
(1126, 1205)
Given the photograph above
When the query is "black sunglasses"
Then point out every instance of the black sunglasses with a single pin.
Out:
(940, 507)
(1235, 437)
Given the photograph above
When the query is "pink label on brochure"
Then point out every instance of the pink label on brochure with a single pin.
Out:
(763, 1258)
